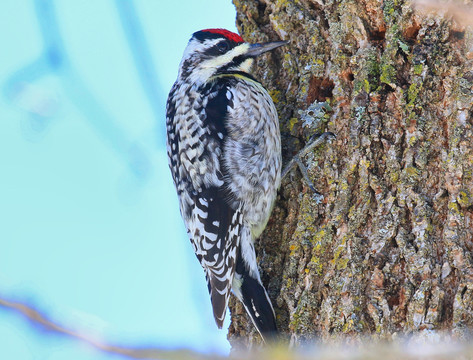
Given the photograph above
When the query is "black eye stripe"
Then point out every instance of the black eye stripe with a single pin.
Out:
(220, 48)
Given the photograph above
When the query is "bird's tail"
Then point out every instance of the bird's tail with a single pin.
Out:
(250, 291)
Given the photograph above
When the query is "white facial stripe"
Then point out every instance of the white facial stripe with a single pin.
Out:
(245, 66)
(226, 58)
(211, 42)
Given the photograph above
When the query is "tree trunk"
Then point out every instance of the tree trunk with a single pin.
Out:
(388, 250)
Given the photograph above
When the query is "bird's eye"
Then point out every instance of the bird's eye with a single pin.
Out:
(222, 46)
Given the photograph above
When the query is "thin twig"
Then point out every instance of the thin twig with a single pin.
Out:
(37, 317)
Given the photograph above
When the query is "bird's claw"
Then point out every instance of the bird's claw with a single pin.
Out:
(314, 141)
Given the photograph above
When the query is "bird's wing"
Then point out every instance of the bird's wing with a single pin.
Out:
(195, 149)
(215, 234)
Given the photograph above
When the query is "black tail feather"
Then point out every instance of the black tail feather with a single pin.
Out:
(258, 306)
(256, 302)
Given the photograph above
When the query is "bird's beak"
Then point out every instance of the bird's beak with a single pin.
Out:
(258, 49)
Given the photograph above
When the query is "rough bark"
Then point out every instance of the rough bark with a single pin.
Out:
(389, 248)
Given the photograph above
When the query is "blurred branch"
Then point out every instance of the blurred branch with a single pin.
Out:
(435, 346)
(142, 57)
(40, 319)
(55, 60)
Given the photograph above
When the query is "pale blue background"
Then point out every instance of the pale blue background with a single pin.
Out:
(90, 230)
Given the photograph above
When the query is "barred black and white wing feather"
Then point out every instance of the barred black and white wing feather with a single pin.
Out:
(195, 148)
(216, 240)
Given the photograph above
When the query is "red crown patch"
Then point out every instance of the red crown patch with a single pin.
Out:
(228, 34)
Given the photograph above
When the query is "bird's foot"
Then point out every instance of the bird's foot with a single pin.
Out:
(315, 141)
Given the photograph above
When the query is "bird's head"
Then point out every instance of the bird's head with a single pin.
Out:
(215, 51)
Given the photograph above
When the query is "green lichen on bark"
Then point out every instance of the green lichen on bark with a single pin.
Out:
(388, 250)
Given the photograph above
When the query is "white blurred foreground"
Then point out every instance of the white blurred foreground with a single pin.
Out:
(426, 345)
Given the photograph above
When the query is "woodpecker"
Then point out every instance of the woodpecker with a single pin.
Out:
(224, 151)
